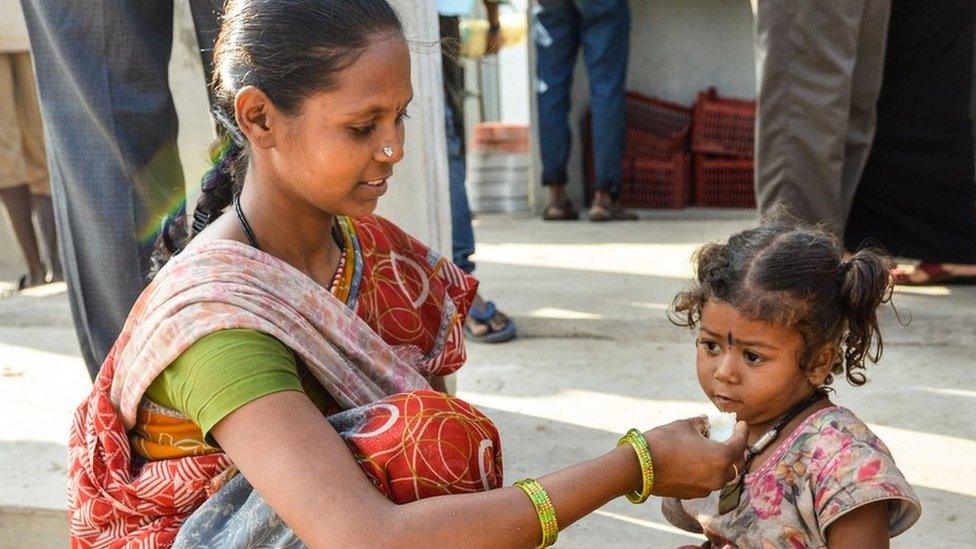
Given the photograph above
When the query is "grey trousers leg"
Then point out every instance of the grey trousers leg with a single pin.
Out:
(819, 65)
(110, 127)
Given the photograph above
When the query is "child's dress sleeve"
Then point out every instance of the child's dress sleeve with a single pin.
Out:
(860, 473)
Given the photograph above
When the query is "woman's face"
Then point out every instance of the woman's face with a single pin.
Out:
(333, 154)
(748, 367)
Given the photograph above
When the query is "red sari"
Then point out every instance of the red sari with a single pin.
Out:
(399, 324)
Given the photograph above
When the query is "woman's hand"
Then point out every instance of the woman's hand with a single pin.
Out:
(687, 464)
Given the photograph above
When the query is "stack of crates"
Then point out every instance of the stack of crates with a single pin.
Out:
(499, 168)
(722, 138)
(656, 166)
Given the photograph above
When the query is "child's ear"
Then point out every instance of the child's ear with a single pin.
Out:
(823, 361)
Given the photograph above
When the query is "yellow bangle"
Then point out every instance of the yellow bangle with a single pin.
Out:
(543, 507)
(639, 443)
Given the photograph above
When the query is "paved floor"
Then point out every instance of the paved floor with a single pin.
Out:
(596, 357)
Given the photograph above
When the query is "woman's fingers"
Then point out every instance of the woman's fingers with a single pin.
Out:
(686, 463)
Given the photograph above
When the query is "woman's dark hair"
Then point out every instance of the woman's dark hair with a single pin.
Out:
(796, 276)
(290, 50)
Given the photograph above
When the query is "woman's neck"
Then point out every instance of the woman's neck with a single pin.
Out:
(292, 230)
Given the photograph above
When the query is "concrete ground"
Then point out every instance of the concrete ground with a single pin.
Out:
(596, 356)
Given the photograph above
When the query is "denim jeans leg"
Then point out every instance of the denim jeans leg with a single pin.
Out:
(110, 126)
(556, 35)
(605, 36)
(462, 233)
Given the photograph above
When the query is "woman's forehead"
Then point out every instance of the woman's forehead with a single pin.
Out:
(378, 80)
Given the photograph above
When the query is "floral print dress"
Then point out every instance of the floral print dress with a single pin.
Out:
(829, 465)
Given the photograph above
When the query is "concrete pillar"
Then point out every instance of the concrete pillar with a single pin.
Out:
(418, 198)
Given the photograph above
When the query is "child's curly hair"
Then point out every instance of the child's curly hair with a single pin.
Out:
(796, 276)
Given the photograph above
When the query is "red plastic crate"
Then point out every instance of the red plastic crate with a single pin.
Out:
(656, 127)
(724, 182)
(723, 126)
(656, 183)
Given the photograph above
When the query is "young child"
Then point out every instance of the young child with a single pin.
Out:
(780, 312)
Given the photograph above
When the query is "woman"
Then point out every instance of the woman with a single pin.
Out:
(296, 339)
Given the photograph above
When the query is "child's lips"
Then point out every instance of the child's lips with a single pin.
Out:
(724, 403)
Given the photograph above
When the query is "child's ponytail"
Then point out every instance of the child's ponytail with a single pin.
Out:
(866, 284)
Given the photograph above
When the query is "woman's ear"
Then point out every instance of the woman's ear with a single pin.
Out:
(823, 362)
(254, 112)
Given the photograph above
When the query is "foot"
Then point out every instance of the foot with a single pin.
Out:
(612, 211)
(29, 281)
(563, 211)
(927, 273)
(486, 324)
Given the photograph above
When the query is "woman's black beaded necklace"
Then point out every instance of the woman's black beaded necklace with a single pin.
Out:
(244, 224)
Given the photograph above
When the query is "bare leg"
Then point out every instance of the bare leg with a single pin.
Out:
(17, 200)
(44, 216)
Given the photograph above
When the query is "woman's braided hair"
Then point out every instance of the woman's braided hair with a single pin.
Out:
(289, 49)
(796, 276)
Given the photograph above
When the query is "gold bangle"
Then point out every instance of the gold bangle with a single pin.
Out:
(639, 443)
(543, 507)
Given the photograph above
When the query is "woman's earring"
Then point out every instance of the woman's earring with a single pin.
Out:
(388, 151)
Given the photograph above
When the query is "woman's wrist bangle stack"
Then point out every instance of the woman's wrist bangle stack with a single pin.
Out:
(639, 443)
(543, 507)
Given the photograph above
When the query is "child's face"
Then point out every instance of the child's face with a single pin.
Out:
(748, 367)
(333, 155)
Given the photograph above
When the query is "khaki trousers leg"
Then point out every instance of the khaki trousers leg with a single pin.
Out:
(819, 66)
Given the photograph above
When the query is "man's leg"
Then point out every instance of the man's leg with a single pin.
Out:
(35, 161)
(865, 89)
(606, 43)
(14, 191)
(102, 72)
(556, 36)
(805, 58)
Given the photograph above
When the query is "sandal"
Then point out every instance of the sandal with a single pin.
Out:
(935, 274)
(560, 212)
(615, 212)
(484, 318)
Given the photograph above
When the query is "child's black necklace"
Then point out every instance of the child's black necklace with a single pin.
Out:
(731, 494)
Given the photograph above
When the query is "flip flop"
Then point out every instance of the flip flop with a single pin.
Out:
(483, 317)
(560, 212)
(935, 274)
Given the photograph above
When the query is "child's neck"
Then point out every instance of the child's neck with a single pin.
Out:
(759, 429)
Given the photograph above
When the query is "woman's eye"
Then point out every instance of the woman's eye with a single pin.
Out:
(402, 116)
(363, 130)
(753, 358)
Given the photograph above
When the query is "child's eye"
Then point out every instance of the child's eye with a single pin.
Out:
(710, 346)
(753, 358)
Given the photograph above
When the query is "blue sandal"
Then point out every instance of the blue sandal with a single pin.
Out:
(483, 317)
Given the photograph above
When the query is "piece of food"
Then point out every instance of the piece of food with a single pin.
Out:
(721, 426)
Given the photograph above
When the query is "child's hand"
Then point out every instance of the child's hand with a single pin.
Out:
(688, 465)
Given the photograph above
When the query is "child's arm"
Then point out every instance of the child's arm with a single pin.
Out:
(863, 527)
(676, 515)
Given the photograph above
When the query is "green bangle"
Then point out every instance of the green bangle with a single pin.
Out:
(639, 443)
(543, 507)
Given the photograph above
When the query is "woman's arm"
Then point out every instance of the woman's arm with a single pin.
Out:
(864, 527)
(296, 460)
